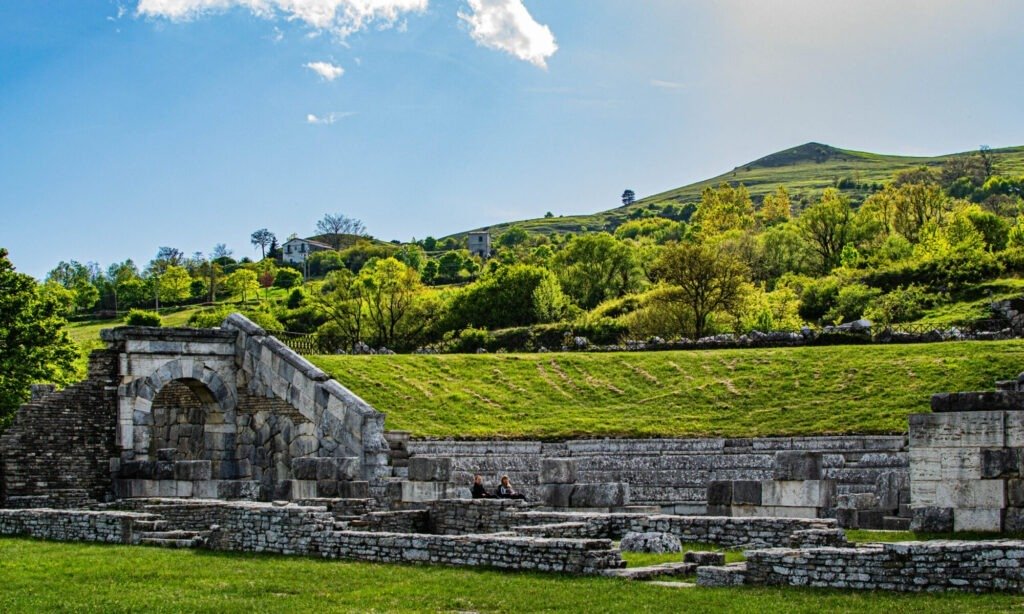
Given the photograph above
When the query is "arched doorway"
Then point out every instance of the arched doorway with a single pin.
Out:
(188, 418)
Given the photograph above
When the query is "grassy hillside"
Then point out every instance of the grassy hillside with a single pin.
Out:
(737, 393)
(804, 170)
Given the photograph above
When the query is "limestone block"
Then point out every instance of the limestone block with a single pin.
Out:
(167, 488)
(746, 492)
(847, 518)
(1015, 492)
(805, 493)
(704, 558)
(998, 462)
(719, 493)
(335, 468)
(303, 445)
(164, 470)
(417, 492)
(857, 501)
(926, 464)
(797, 465)
(1014, 429)
(205, 489)
(888, 486)
(971, 494)
(193, 470)
(634, 541)
(305, 468)
(1013, 520)
(303, 489)
(558, 470)
(779, 511)
(429, 469)
(182, 489)
(932, 519)
(958, 430)
(961, 464)
(923, 493)
(556, 495)
(978, 519)
(238, 490)
(356, 489)
(600, 495)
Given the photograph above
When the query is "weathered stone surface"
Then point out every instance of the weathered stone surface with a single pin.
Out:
(720, 493)
(978, 519)
(797, 465)
(650, 542)
(193, 470)
(746, 492)
(932, 520)
(957, 430)
(558, 470)
(599, 495)
(429, 469)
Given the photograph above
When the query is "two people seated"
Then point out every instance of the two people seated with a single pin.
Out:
(505, 490)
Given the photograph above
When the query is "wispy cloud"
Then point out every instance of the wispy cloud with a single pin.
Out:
(326, 70)
(671, 85)
(327, 120)
(342, 17)
(507, 26)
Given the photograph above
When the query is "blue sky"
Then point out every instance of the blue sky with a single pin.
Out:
(125, 126)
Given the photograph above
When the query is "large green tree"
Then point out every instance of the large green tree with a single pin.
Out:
(33, 343)
(593, 267)
(702, 279)
(827, 228)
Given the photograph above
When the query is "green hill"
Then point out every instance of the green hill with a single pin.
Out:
(733, 393)
(805, 170)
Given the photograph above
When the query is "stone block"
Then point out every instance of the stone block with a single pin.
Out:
(305, 468)
(889, 485)
(138, 470)
(998, 462)
(870, 519)
(558, 470)
(1013, 520)
(797, 465)
(418, 492)
(193, 470)
(167, 454)
(983, 429)
(205, 489)
(923, 493)
(634, 541)
(1015, 492)
(806, 493)
(355, 489)
(718, 510)
(556, 495)
(612, 494)
(846, 518)
(430, 469)
(778, 511)
(238, 490)
(327, 488)
(961, 464)
(303, 489)
(895, 523)
(1014, 429)
(165, 470)
(719, 493)
(344, 468)
(746, 492)
(932, 519)
(857, 501)
(182, 489)
(981, 494)
(978, 519)
(704, 558)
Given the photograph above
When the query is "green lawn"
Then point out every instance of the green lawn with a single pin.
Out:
(45, 577)
(738, 393)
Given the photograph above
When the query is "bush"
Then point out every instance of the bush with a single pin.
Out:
(472, 339)
(140, 317)
(851, 302)
(900, 305)
(287, 278)
(296, 298)
(818, 298)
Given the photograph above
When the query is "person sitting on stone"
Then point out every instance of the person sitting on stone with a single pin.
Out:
(505, 490)
(478, 490)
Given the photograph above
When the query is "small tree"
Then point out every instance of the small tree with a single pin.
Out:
(244, 282)
(628, 198)
(287, 278)
(337, 224)
(263, 239)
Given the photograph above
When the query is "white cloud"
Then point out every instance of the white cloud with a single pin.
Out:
(328, 119)
(672, 85)
(506, 25)
(342, 17)
(326, 70)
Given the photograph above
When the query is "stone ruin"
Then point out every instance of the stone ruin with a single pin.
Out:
(226, 439)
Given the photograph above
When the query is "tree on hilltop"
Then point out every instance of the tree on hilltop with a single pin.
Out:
(339, 224)
(262, 239)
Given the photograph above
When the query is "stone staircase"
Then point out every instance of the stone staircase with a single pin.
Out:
(156, 533)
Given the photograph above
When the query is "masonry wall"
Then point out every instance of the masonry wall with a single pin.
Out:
(59, 448)
(912, 566)
(74, 525)
(674, 473)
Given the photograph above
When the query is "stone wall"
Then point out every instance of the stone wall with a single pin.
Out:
(60, 444)
(74, 525)
(672, 473)
(965, 462)
(910, 566)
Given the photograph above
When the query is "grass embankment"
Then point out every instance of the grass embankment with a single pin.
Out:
(44, 577)
(736, 393)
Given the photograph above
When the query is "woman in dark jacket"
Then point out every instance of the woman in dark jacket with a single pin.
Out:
(478, 490)
(505, 490)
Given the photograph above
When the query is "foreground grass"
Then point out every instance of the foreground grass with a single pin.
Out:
(736, 393)
(41, 576)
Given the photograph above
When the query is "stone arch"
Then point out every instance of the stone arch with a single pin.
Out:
(204, 382)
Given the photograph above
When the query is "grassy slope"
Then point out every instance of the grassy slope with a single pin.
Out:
(737, 393)
(44, 577)
(804, 170)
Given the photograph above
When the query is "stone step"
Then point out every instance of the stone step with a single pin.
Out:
(895, 523)
(173, 534)
(168, 543)
(653, 571)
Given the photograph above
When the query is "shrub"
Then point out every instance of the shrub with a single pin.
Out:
(851, 302)
(296, 298)
(287, 278)
(472, 339)
(140, 317)
(900, 305)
